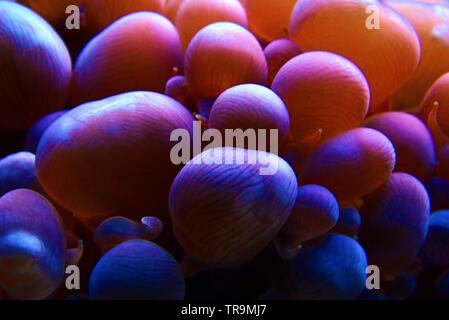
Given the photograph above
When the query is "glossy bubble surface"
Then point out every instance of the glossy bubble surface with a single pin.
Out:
(136, 269)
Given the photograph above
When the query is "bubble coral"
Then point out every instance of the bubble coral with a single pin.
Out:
(438, 189)
(395, 220)
(315, 213)
(376, 38)
(412, 140)
(335, 268)
(17, 172)
(251, 106)
(224, 211)
(104, 68)
(36, 131)
(435, 251)
(112, 157)
(322, 90)
(220, 56)
(136, 269)
(277, 54)
(116, 230)
(35, 67)
(432, 24)
(351, 165)
(100, 13)
(32, 245)
(269, 20)
(348, 223)
(193, 15)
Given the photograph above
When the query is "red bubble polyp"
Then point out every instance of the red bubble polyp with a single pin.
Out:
(332, 268)
(254, 107)
(412, 140)
(223, 55)
(351, 165)
(171, 9)
(269, 20)
(395, 220)
(100, 13)
(32, 245)
(178, 88)
(443, 162)
(36, 131)
(315, 213)
(435, 251)
(35, 67)
(437, 95)
(116, 230)
(104, 68)
(193, 15)
(349, 222)
(136, 270)
(224, 213)
(432, 25)
(17, 171)
(387, 52)
(277, 54)
(322, 90)
(112, 157)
